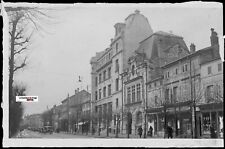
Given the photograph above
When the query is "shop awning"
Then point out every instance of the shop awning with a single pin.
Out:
(211, 106)
(155, 110)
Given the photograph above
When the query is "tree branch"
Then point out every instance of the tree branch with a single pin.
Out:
(19, 33)
(21, 66)
(19, 51)
(22, 42)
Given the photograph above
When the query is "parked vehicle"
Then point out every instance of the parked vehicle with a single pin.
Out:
(47, 129)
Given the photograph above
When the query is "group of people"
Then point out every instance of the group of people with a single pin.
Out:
(150, 132)
(140, 130)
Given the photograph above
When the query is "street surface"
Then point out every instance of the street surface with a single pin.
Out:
(32, 134)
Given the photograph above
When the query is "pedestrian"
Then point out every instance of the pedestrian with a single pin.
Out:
(150, 131)
(170, 131)
(140, 130)
(212, 132)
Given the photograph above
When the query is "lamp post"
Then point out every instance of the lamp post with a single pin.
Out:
(194, 128)
(68, 110)
(117, 120)
(122, 76)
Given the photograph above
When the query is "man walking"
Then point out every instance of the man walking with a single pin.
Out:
(150, 131)
(140, 130)
(170, 131)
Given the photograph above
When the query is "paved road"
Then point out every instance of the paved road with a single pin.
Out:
(31, 134)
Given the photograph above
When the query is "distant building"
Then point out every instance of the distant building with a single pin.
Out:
(56, 116)
(34, 121)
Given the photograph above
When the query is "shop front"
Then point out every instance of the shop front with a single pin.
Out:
(178, 115)
(155, 119)
(211, 120)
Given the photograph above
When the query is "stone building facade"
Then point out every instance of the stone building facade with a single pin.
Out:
(145, 71)
(107, 67)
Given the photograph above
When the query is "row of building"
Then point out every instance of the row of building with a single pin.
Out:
(72, 115)
(147, 78)
(144, 79)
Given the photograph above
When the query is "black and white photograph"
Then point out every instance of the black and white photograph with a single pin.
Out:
(113, 74)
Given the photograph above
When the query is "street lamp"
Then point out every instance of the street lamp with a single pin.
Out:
(122, 76)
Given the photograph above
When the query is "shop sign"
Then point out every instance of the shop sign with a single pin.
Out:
(170, 110)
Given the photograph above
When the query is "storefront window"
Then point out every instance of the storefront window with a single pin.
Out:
(187, 127)
(206, 123)
(221, 124)
(161, 123)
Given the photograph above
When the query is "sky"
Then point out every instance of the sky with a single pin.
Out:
(58, 56)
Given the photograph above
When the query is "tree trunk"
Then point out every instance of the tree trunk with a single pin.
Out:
(11, 73)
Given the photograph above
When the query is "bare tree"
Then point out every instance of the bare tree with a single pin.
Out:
(21, 20)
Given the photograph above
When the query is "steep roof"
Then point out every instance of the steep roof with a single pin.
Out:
(207, 54)
(156, 46)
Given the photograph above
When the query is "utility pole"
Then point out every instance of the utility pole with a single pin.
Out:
(146, 99)
(122, 77)
(117, 125)
(193, 110)
(68, 112)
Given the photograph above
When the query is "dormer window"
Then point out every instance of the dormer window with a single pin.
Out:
(133, 69)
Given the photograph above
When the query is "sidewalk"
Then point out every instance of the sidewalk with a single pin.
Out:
(120, 136)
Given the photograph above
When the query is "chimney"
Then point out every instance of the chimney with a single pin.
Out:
(192, 48)
(213, 37)
(137, 11)
(75, 92)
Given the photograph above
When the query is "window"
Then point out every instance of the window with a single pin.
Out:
(133, 70)
(168, 74)
(128, 95)
(209, 93)
(100, 77)
(116, 47)
(167, 94)
(174, 94)
(104, 92)
(117, 103)
(218, 94)
(109, 72)
(109, 89)
(155, 84)
(117, 65)
(176, 71)
(117, 84)
(109, 111)
(209, 70)
(138, 92)
(156, 100)
(96, 95)
(219, 67)
(133, 93)
(104, 75)
(99, 94)
(96, 81)
(185, 68)
(96, 109)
